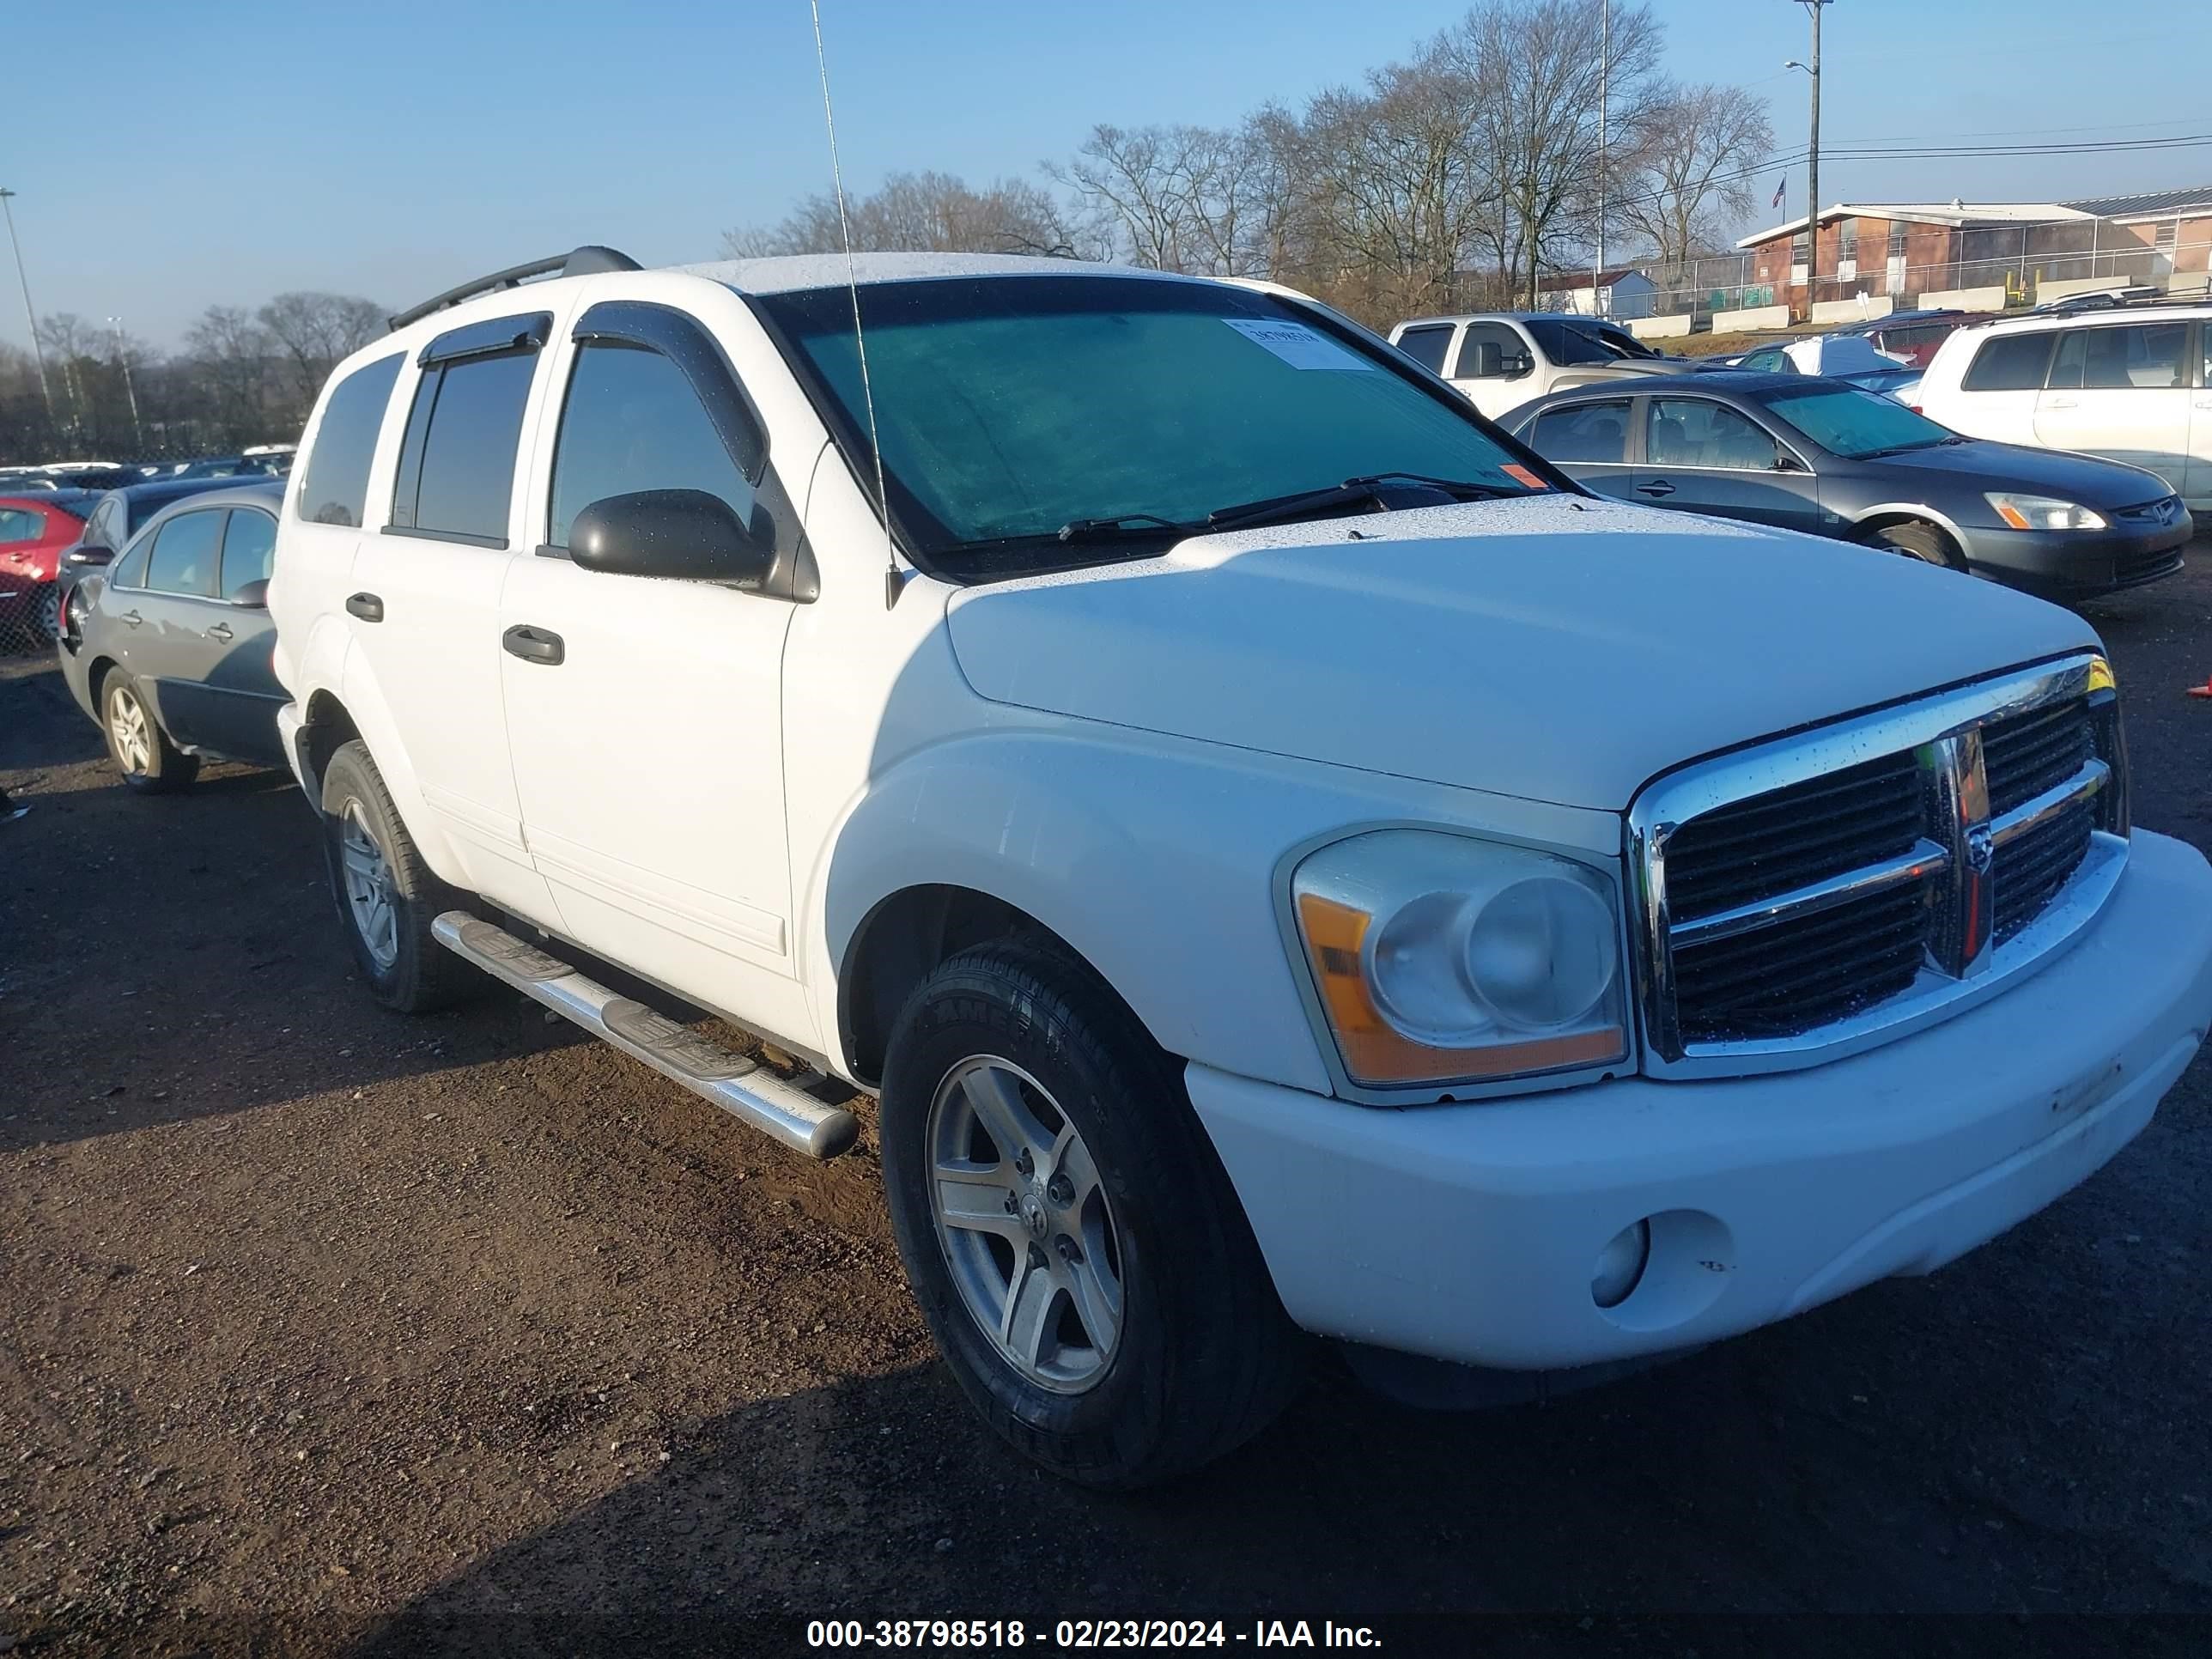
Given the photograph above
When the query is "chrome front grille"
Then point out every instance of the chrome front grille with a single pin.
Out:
(1800, 898)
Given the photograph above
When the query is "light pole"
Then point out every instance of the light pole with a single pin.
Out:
(1604, 77)
(38, 351)
(137, 432)
(1813, 155)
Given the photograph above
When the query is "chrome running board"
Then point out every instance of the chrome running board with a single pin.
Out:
(737, 1083)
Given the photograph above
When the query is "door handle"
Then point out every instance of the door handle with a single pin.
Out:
(132, 617)
(220, 631)
(367, 606)
(2061, 402)
(532, 644)
(1656, 487)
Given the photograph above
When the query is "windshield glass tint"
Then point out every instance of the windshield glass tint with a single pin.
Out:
(1853, 424)
(1012, 405)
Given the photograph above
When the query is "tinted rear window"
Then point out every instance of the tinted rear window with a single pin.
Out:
(336, 488)
(2010, 363)
(1594, 433)
(1426, 346)
(467, 468)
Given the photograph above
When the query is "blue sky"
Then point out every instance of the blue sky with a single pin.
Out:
(395, 149)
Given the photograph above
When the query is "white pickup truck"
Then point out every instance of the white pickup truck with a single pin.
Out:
(1502, 359)
(1289, 864)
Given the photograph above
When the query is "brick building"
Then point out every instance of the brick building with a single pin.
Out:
(1903, 250)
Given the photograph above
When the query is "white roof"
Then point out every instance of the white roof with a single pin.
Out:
(1953, 213)
(786, 272)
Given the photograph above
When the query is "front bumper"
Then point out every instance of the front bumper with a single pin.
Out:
(2072, 563)
(1468, 1233)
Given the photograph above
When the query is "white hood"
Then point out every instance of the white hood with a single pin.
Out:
(1553, 648)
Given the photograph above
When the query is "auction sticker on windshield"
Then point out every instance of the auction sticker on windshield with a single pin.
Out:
(1297, 344)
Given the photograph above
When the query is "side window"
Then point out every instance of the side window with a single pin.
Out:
(1596, 433)
(184, 554)
(335, 490)
(2010, 363)
(249, 549)
(1427, 346)
(2146, 357)
(1512, 349)
(1772, 361)
(103, 528)
(457, 466)
(21, 523)
(1691, 432)
(632, 421)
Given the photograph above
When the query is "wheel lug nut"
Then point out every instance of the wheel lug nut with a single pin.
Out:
(1061, 1189)
(1068, 1253)
(1025, 1163)
(1013, 1204)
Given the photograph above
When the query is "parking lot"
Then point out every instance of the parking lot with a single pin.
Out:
(330, 1331)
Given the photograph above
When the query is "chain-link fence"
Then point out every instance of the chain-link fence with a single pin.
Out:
(27, 615)
(1730, 282)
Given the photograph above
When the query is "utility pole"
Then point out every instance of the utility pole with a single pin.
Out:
(1604, 77)
(138, 431)
(38, 351)
(1813, 155)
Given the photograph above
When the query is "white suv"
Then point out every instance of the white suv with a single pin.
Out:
(2133, 384)
(1287, 859)
(1502, 359)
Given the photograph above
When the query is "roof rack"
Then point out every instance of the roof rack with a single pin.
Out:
(589, 260)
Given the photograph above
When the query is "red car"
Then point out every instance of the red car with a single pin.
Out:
(32, 533)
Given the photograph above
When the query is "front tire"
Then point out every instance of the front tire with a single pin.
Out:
(1924, 542)
(387, 895)
(1075, 1245)
(141, 749)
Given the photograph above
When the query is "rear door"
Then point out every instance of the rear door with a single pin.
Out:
(1706, 456)
(423, 605)
(2121, 391)
(238, 695)
(167, 619)
(1589, 441)
(1999, 388)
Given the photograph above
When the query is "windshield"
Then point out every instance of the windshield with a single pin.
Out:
(1855, 424)
(1010, 406)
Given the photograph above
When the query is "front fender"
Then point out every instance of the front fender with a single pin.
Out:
(1153, 857)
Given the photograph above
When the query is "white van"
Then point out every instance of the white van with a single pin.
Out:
(2129, 384)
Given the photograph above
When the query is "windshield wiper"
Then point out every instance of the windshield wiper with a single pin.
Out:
(1279, 508)
(1121, 524)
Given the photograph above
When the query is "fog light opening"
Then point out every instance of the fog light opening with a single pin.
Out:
(1620, 1264)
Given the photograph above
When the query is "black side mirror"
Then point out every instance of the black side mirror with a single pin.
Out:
(684, 534)
(1489, 360)
(91, 554)
(255, 596)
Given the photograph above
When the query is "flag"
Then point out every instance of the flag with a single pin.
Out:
(1781, 190)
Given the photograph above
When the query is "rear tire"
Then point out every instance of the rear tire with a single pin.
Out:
(387, 895)
(1924, 542)
(141, 749)
(1095, 1287)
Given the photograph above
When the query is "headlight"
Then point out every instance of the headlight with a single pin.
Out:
(1442, 958)
(2042, 512)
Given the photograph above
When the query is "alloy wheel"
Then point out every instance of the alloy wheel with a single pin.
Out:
(1024, 1224)
(133, 733)
(370, 899)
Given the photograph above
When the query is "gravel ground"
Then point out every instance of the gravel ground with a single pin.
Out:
(325, 1330)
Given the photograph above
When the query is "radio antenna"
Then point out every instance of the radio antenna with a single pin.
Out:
(892, 580)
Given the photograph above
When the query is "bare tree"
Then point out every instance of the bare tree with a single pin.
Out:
(312, 332)
(1201, 200)
(1693, 148)
(1538, 68)
(920, 212)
